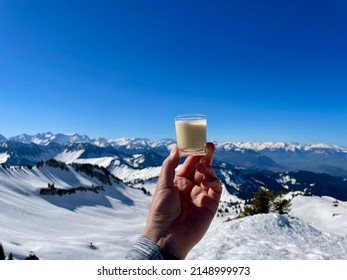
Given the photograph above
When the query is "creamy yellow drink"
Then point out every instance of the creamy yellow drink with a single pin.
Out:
(191, 134)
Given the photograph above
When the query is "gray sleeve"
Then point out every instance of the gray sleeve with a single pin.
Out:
(144, 249)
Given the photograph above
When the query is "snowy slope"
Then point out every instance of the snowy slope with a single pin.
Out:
(55, 227)
(316, 228)
(268, 236)
(69, 156)
(325, 213)
(4, 157)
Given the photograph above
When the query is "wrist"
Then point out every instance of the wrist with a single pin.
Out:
(169, 248)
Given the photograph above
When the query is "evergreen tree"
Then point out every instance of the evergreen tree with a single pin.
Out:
(265, 201)
(282, 206)
(2, 253)
(262, 201)
(51, 186)
(248, 211)
(10, 257)
(32, 256)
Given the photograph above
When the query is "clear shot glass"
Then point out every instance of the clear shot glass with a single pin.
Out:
(191, 134)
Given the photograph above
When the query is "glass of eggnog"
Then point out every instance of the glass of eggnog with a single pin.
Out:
(191, 134)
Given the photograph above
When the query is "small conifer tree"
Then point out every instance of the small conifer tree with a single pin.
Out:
(282, 206)
(2, 253)
(265, 201)
(32, 256)
(262, 201)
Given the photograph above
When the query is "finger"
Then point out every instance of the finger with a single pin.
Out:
(210, 150)
(213, 188)
(206, 170)
(167, 172)
(211, 201)
(203, 171)
(215, 193)
(212, 183)
(188, 167)
(208, 195)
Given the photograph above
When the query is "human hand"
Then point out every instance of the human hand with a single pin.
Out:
(184, 203)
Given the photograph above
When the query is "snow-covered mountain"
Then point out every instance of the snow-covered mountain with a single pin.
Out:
(18, 153)
(72, 197)
(59, 211)
(274, 156)
(48, 137)
(261, 146)
(143, 143)
(2, 139)
(281, 156)
(242, 166)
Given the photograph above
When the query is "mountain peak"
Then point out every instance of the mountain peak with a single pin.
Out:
(2, 138)
(279, 145)
(45, 138)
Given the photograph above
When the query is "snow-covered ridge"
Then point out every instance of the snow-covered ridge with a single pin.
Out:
(269, 237)
(143, 153)
(2, 138)
(133, 143)
(4, 157)
(272, 146)
(55, 227)
(64, 227)
(48, 137)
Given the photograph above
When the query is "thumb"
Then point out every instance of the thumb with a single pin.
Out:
(167, 172)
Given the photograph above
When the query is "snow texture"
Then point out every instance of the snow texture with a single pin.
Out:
(103, 225)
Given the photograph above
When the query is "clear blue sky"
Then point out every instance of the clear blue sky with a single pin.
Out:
(260, 70)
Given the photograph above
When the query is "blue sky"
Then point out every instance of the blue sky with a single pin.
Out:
(260, 70)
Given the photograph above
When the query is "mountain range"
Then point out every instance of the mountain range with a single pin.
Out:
(243, 167)
(275, 156)
(67, 196)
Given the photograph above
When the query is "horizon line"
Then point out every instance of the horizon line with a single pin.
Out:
(166, 138)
